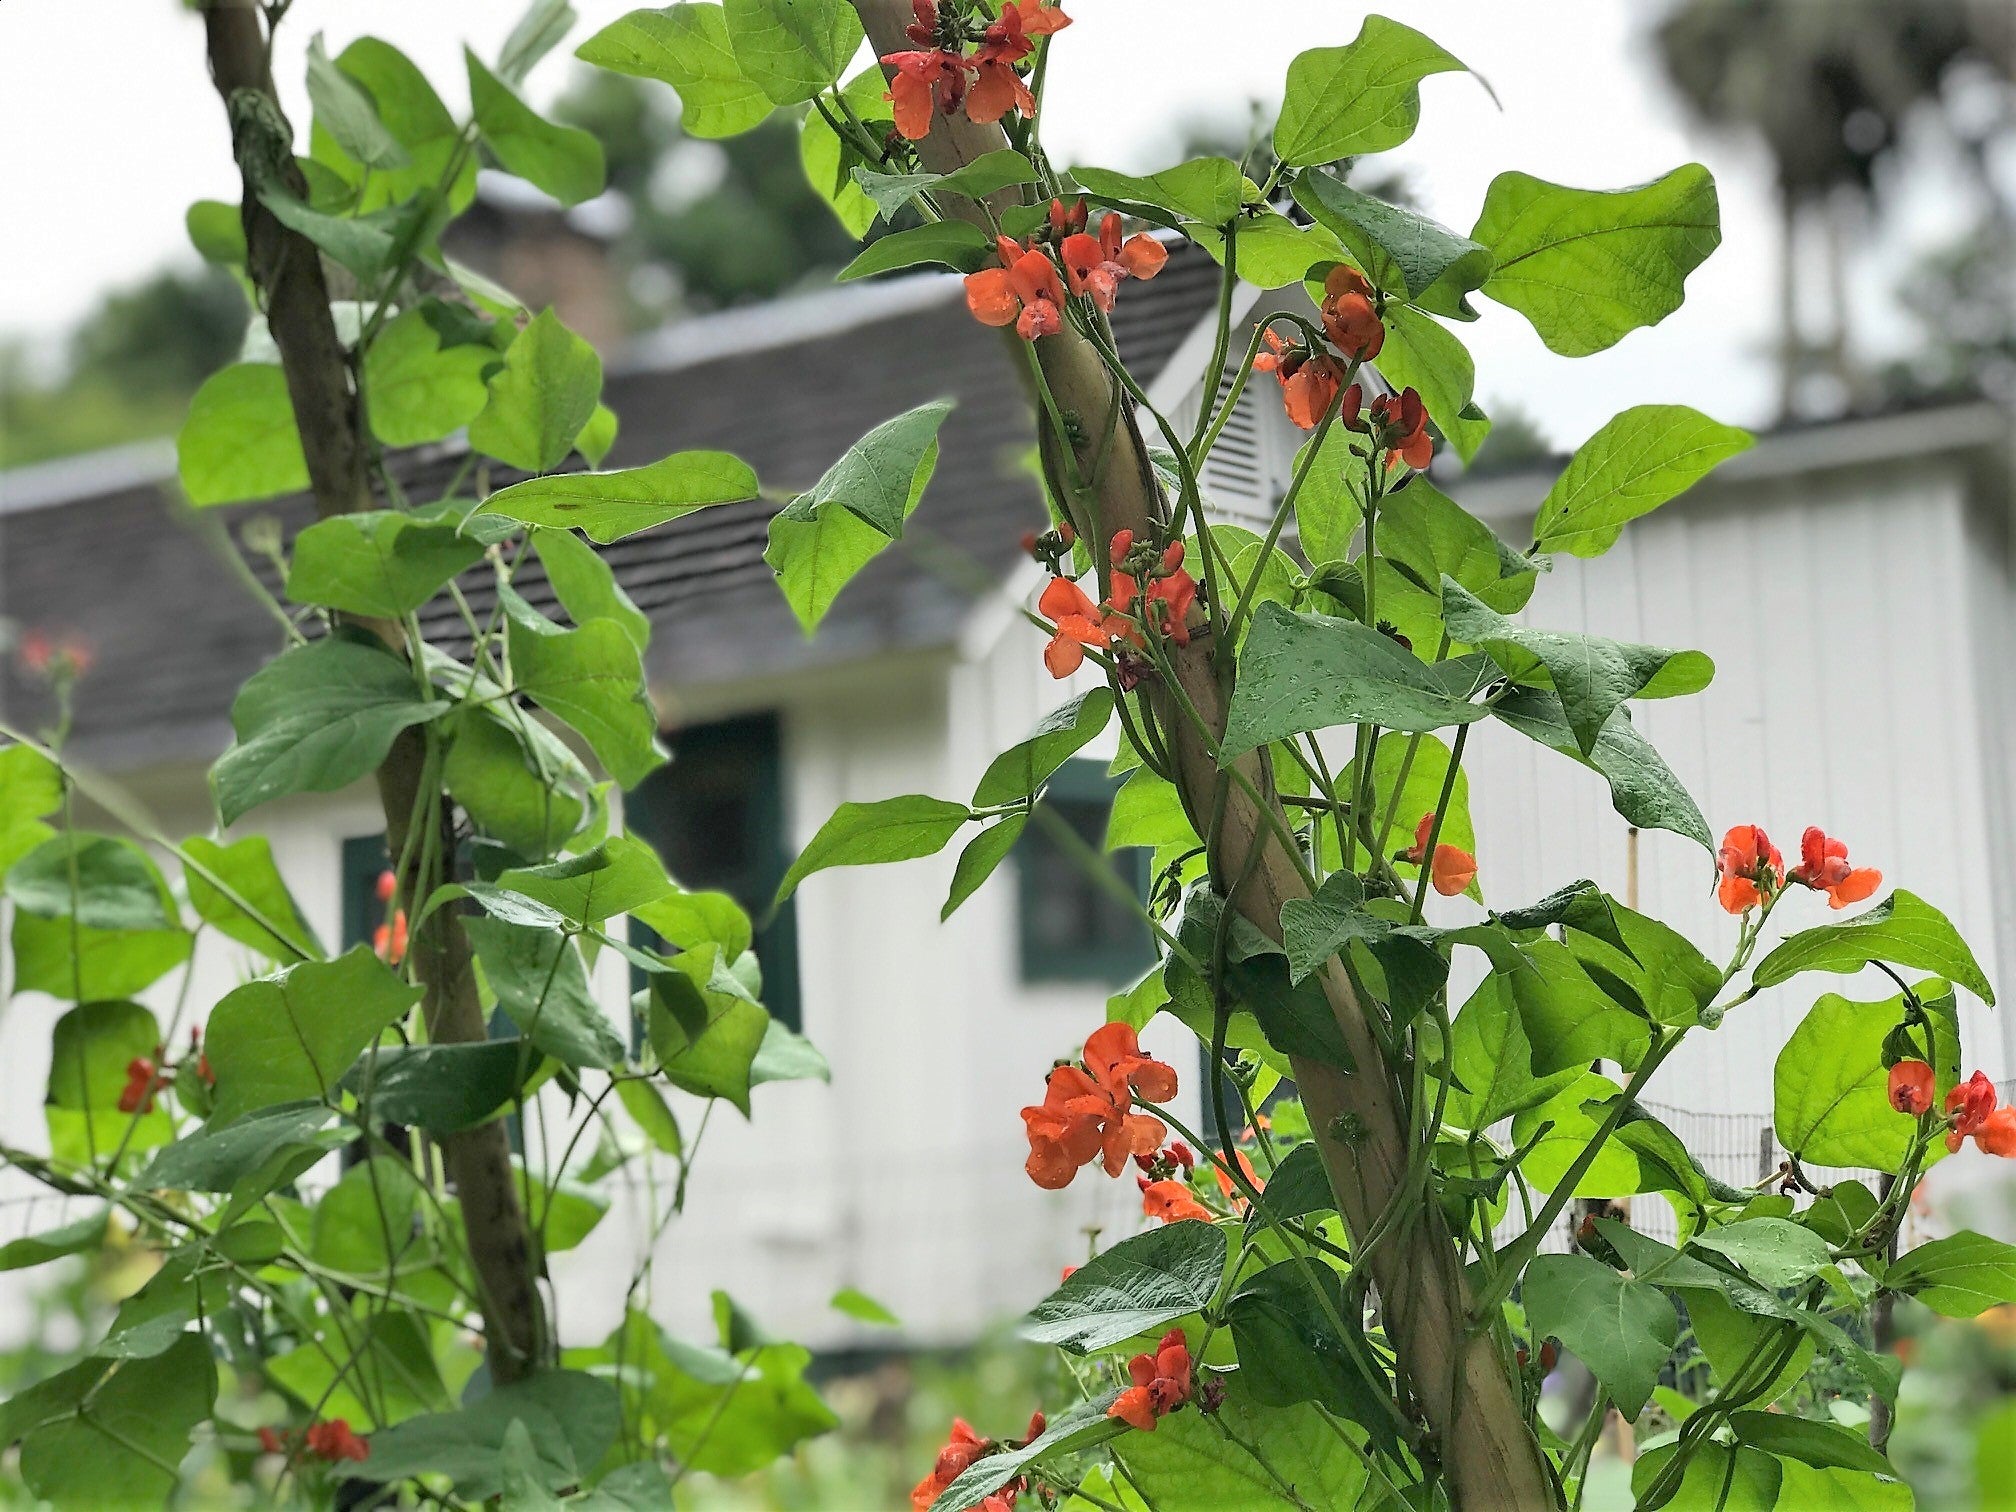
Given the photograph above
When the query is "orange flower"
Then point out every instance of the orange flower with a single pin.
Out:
(1972, 1109)
(1162, 1383)
(1169, 585)
(1823, 866)
(1230, 1188)
(1095, 265)
(1451, 871)
(389, 939)
(334, 1441)
(1079, 621)
(1400, 423)
(1085, 1113)
(997, 87)
(1024, 291)
(1309, 381)
(1171, 1202)
(1911, 1087)
(923, 80)
(142, 1081)
(386, 886)
(1349, 318)
(1752, 868)
(964, 1447)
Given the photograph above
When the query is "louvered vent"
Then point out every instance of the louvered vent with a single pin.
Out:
(1248, 469)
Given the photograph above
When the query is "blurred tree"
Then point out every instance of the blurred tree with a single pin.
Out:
(1829, 87)
(729, 221)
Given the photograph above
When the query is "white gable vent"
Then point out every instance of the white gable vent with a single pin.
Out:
(1248, 469)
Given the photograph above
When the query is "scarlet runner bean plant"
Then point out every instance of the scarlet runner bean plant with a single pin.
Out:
(1322, 1308)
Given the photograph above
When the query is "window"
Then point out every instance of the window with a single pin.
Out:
(1072, 927)
(364, 861)
(715, 815)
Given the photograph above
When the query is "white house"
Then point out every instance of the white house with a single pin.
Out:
(1853, 583)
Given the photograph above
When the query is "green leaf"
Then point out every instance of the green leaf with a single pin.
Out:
(1363, 97)
(1623, 1330)
(1614, 1173)
(607, 506)
(987, 174)
(393, 1365)
(442, 1088)
(418, 389)
(542, 986)
(863, 1308)
(347, 112)
(367, 245)
(410, 109)
(1635, 463)
(86, 1233)
(1568, 1019)
(138, 1425)
(792, 49)
(692, 919)
(1821, 1445)
(518, 781)
(1589, 266)
(1328, 510)
(786, 1055)
(1903, 930)
(315, 720)
(239, 441)
(647, 1106)
(72, 962)
(1492, 1061)
(687, 47)
(1025, 766)
(591, 679)
(983, 853)
(537, 33)
(217, 232)
(1408, 789)
(292, 1035)
(1290, 1351)
(586, 586)
(732, 1427)
(1303, 672)
(572, 1418)
(561, 160)
(1081, 1426)
(1139, 1284)
(1830, 1095)
(1421, 354)
(619, 876)
(1404, 254)
(1718, 1478)
(1197, 1465)
(707, 1026)
(1960, 1276)
(382, 563)
(1642, 787)
(101, 881)
(1591, 676)
(539, 401)
(1273, 251)
(866, 834)
(881, 476)
(216, 1159)
(31, 786)
(1775, 1251)
(1206, 189)
(246, 867)
(958, 245)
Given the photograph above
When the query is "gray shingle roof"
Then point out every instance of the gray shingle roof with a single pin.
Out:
(108, 552)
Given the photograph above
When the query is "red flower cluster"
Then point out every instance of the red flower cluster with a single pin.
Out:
(331, 1441)
(1081, 623)
(1085, 1113)
(1753, 871)
(389, 938)
(960, 1451)
(1398, 422)
(143, 1080)
(1095, 265)
(1230, 1189)
(1823, 866)
(1452, 869)
(1024, 291)
(944, 74)
(1162, 1383)
(1309, 379)
(1911, 1087)
(1971, 1108)
(1350, 319)
(1171, 1201)
(51, 657)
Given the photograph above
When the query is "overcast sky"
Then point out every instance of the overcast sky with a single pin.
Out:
(110, 130)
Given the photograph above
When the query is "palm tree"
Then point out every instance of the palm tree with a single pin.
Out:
(1828, 85)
